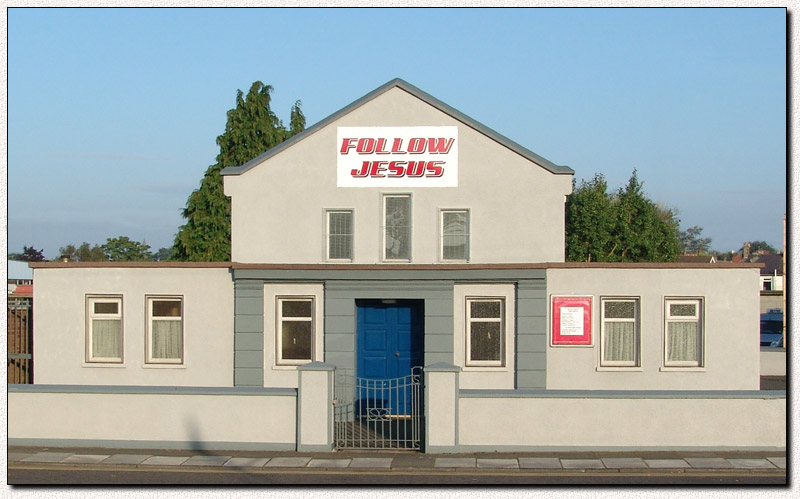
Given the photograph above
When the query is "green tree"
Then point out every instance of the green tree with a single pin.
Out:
(83, 253)
(761, 246)
(29, 254)
(163, 255)
(692, 243)
(625, 226)
(251, 129)
(589, 221)
(122, 249)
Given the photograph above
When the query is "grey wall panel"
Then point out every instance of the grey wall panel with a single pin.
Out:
(248, 333)
(340, 323)
(249, 359)
(245, 376)
(248, 341)
(531, 337)
(340, 342)
(532, 378)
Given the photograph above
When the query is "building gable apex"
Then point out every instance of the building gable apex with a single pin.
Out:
(423, 96)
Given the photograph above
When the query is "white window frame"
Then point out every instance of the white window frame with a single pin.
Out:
(468, 321)
(385, 198)
(279, 319)
(149, 301)
(328, 234)
(698, 318)
(442, 212)
(91, 315)
(636, 331)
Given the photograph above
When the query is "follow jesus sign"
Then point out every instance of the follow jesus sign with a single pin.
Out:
(413, 156)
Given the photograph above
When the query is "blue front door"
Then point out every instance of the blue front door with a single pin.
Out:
(389, 343)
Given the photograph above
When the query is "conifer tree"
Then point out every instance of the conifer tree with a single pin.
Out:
(252, 128)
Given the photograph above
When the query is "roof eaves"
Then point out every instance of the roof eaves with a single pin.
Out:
(425, 97)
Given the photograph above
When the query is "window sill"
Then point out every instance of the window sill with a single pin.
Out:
(484, 368)
(103, 364)
(163, 366)
(682, 369)
(619, 369)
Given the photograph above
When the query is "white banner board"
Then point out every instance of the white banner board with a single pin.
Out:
(415, 156)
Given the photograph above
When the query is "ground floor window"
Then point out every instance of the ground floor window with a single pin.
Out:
(683, 333)
(295, 334)
(485, 331)
(104, 329)
(619, 332)
(164, 329)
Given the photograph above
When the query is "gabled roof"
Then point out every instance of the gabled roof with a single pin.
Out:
(425, 97)
(772, 263)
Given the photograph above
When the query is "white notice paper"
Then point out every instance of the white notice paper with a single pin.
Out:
(571, 321)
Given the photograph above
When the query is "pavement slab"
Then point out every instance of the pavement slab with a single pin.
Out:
(126, 459)
(371, 462)
(47, 457)
(165, 460)
(708, 462)
(86, 458)
(328, 463)
(623, 462)
(288, 462)
(667, 463)
(751, 463)
(780, 462)
(455, 462)
(572, 464)
(539, 462)
(247, 462)
(206, 461)
(498, 463)
(17, 456)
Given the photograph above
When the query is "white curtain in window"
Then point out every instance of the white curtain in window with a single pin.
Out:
(619, 344)
(107, 339)
(682, 342)
(166, 339)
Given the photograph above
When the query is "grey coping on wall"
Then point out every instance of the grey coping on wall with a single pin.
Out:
(156, 390)
(423, 96)
(624, 394)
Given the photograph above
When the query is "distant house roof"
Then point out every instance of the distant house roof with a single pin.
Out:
(19, 271)
(416, 92)
(697, 259)
(773, 264)
(24, 290)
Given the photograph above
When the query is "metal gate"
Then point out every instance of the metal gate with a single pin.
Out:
(20, 339)
(377, 413)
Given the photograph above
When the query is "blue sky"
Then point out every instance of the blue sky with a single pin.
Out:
(113, 113)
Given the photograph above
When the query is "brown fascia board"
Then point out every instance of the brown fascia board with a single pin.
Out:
(491, 266)
(126, 265)
(425, 97)
(432, 266)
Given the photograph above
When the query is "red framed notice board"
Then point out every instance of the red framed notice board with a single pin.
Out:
(571, 321)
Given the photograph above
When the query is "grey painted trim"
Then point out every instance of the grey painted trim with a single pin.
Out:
(436, 273)
(442, 367)
(582, 448)
(316, 366)
(625, 394)
(421, 95)
(155, 390)
(154, 445)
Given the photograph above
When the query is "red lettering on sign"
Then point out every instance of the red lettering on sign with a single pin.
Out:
(435, 169)
(416, 146)
(397, 144)
(365, 146)
(363, 171)
(397, 168)
(381, 147)
(439, 146)
(377, 169)
(346, 145)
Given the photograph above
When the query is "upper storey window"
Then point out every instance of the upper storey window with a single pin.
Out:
(397, 227)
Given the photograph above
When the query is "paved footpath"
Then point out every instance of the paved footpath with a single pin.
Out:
(355, 461)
